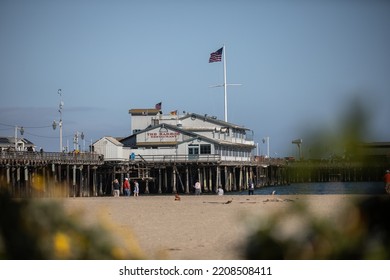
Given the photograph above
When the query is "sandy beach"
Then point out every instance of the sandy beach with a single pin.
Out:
(196, 227)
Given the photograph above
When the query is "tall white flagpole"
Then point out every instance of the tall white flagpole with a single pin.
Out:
(225, 84)
(224, 80)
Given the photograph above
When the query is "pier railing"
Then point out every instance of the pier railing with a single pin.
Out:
(23, 157)
(50, 157)
(207, 159)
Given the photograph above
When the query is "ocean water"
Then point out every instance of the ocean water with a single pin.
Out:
(372, 188)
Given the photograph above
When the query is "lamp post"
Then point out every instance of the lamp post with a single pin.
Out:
(76, 140)
(266, 139)
(59, 123)
(16, 135)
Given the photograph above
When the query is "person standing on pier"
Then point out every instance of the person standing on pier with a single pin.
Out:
(126, 187)
(116, 187)
(136, 188)
(387, 181)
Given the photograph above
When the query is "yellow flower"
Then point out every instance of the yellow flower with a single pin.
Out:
(61, 245)
(38, 183)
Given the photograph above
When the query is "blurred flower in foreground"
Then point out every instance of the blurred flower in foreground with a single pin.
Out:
(61, 245)
(362, 231)
(41, 229)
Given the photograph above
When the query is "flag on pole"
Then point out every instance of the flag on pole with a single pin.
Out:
(158, 106)
(216, 56)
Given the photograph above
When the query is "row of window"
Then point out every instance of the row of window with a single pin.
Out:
(205, 149)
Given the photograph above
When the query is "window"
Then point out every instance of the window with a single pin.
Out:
(193, 149)
(205, 149)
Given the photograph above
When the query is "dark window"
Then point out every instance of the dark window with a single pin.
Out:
(205, 149)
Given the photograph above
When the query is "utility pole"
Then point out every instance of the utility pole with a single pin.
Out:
(59, 123)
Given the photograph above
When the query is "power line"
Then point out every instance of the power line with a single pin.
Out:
(9, 125)
(42, 136)
(32, 127)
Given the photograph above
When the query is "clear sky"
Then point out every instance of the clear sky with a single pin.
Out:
(300, 63)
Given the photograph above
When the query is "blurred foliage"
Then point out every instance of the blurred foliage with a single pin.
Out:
(361, 232)
(41, 229)
(344, 140)
(342, 151)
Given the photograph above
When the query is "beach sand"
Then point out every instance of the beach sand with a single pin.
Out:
(196, 227)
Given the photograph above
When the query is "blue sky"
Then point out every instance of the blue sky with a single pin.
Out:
(300, 63)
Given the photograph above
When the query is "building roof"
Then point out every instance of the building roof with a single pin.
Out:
(10, 141)
(212, 119)
(4, 140)
(144, 112)
(182, 131)
(111, 139)
(376, 145)
(376, 149)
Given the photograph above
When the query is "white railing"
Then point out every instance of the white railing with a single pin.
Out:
(177, 158)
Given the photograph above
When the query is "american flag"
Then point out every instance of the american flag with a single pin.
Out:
(216, 56)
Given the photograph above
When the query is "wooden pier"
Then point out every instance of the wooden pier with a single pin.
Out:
(43, 174)
(171, 174)
(178, 173)
(368, 170)
(28, 174)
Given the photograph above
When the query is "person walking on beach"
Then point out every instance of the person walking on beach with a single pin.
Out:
(198, 188)
(387, 181)
(251, 188)
(136, 188)
(126, 187)
(116, 187)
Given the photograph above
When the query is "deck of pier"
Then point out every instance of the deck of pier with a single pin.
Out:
(88, 174)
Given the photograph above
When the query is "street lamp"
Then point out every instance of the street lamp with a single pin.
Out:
(59, 123)
(21, 129)
(54, 125)
(298, 142)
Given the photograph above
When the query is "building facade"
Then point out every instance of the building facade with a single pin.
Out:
(156, 137)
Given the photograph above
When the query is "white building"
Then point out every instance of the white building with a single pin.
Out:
(22, 144)
(189, 137)
(110, 147)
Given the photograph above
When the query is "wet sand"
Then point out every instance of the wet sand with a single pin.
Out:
(196, 227)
